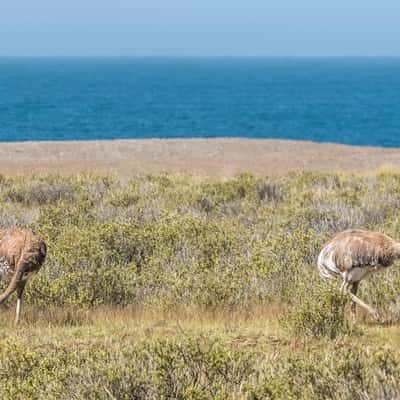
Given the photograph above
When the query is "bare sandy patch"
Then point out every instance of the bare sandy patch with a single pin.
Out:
(216, 157)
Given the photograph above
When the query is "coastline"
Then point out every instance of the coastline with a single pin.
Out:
(211, 157)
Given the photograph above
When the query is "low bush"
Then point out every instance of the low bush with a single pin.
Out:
(193, 368)
(319, 314)
(175, 239)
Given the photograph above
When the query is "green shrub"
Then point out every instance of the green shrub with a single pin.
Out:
(176, 239)
(320, 313)
(193, 368)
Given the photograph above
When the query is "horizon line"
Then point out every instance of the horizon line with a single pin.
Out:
(207, 56)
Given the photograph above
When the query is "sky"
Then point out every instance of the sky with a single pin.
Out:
(199, 28)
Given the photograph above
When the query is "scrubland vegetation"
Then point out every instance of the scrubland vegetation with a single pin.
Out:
(172, 286)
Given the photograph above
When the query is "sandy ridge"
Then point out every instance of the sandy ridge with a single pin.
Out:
(219, 157)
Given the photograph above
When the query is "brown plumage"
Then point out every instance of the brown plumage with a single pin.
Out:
(22, 253)
(355, 254)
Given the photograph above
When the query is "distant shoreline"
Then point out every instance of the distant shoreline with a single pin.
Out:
(210, 157)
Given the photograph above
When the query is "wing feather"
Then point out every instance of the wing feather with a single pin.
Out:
(362, 249)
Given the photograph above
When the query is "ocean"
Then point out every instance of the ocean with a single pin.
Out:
(345, 100)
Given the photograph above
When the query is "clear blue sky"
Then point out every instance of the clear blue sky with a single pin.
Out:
(200, 27)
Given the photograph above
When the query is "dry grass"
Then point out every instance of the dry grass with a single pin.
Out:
(143, 323)
(153, 321)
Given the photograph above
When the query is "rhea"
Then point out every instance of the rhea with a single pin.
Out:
(353, 255)
(22, 253)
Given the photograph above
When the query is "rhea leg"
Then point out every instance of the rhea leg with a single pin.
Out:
(20, 291)
(351, 290)
(344, 287)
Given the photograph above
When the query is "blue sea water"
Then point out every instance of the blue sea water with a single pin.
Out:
(354, 101)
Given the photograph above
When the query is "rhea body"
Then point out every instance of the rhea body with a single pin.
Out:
(354, 254)
(22, 253)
